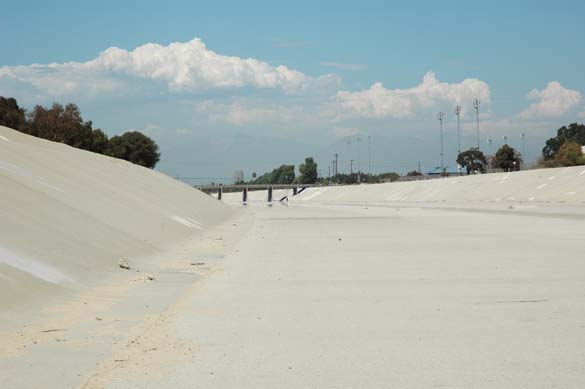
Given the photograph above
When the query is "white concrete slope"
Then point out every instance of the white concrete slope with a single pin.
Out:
(561, 185)
(67, 215)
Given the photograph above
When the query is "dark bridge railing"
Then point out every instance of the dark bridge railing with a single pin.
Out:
(219, 189)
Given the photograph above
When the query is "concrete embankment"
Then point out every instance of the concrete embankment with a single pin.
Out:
(68, 215)
(561, 185)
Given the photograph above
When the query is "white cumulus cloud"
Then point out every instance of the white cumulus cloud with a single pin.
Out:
(552, 101)
(379, 102)
(180, 67)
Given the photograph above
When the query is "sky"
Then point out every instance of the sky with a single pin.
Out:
(223, 86)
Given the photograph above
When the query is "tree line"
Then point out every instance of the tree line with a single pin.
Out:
(309, 174)
(560, 151)
(284, 174)
(64, 124)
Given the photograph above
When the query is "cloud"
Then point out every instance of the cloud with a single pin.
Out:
(240, 112)
(345, 66)
(180, 67)
(552, 101)
(379, 102)
(342, 132)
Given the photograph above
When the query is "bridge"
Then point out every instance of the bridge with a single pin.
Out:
(219, 189)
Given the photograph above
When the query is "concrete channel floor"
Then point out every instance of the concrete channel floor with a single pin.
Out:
(383, 297)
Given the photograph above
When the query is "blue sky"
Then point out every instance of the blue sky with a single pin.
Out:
(341, 49)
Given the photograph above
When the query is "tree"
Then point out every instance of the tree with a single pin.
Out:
(11, 115)
(473, 160)
(413, 173)
(569, 154)
(285, 174)
(507, 159)
(390, 176)
(100, 141)
(308, 171)
(135, 147)
(61, 124)
(65, 125)
(574, 132)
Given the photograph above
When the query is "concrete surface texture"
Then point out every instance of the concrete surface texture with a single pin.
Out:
(561, 185)
(68, 215)
(458, 283)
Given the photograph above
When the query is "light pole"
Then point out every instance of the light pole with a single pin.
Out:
(440, 117)
(476, 106)
(458, 112)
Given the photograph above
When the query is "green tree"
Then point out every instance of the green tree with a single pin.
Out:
(574, 132)
(308, 170)
(135, 147)
(11, 115)
(507, 159)
(285, 174)
(100, 141)
(390, 176)
(570, 154)
(472, 160)
(61, 124)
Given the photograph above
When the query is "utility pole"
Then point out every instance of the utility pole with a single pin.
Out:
(335, 167)
(476, 106)
(458, 112)
(440, 117)
(351, 167)
(419, 168)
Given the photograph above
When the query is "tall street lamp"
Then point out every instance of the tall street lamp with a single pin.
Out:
(440, 117)
(458, 112)
(476, 106)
